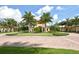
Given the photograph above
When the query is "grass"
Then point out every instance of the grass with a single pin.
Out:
(8, 32)
(29, 34)
(11, 33)
(60, 33)
(31, 50)
(36, 34)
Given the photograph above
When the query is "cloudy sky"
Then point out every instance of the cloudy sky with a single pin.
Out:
(58, 12)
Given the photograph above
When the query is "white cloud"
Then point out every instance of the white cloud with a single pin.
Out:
(45, 9)
(6, 12)
(61, 20)
(59, 8)
(55, 18)
(37, 17)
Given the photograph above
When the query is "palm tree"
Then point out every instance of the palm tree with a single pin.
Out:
(2, 26)
(76, 21)
(29, 19)
(22, 26)
(11, 24)
(45, 18)
(67, 24)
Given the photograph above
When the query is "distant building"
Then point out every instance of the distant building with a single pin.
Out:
(40, 24)
(69, 28)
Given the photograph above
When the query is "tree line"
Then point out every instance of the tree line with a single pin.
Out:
(70, 22)
(28, 22)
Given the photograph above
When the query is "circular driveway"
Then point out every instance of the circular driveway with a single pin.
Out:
(67, 42)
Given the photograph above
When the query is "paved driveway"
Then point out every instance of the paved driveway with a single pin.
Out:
(68, 42)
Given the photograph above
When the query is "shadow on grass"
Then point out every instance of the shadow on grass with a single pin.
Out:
(19, 48)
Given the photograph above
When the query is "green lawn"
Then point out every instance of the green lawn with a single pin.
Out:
(60, 33)
(34, 34)
(31, 50)
(8, 32)
(37, 34)
(30, 34)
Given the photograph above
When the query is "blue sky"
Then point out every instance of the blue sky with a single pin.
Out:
(59, 12)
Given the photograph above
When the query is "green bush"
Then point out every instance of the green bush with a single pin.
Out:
(23, 29)
(60, 34)
(54, 28)
(11, 34)
(26, 31)
(38, 29)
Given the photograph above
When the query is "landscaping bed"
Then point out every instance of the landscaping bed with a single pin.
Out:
(37, 34)
(60, 33)
(29, 34)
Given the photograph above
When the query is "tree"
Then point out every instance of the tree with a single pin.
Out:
(67, 24)
(11, 23)
(3, 26)
(45, 18)
(76, 21)
(22, 26)
(29, 19)
(70, 22)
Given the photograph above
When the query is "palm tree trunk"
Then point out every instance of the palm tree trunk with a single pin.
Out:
(30, 28)
(10, 29)
(3, 29)
(75, 29)
(42, 29)
(45, 28)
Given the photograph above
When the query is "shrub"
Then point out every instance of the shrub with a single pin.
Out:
(60, 34)
(11, 34)
(38, 29)
(54, 28)
(23, 29)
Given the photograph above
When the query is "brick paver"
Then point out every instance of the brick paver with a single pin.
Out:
(67, 42)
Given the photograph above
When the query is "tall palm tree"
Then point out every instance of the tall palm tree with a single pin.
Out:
(67, 24)
(29, 19)
(45, 18)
